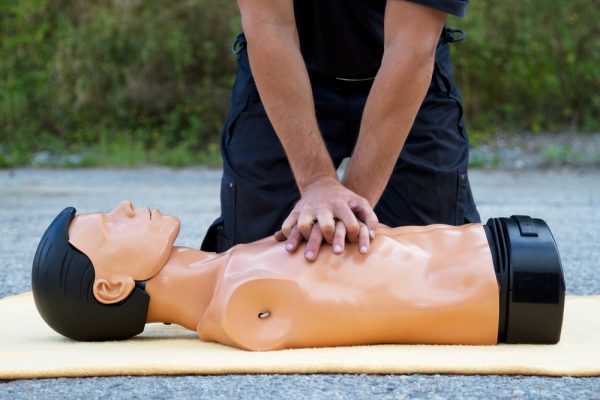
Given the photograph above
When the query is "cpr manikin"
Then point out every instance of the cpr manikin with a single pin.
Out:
(103, 276)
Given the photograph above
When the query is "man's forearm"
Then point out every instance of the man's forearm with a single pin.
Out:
(284, 87)
(397, 93)
(412, 32)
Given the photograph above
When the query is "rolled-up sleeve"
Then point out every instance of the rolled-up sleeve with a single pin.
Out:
(454, 7)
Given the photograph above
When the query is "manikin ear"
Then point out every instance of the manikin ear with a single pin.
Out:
(114, 290)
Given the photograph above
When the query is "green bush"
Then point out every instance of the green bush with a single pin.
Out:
(530, 65)
(82, 73)
(150, 79)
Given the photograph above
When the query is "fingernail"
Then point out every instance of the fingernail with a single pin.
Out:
(309, 255)
(337, 248)
(363, 249)
(289, 246)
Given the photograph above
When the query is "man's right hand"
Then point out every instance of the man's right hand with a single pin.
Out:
(328, 211)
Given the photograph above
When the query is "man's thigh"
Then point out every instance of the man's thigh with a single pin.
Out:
(258, 189)
(430, 183)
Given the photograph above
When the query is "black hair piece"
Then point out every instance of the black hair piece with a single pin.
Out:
(62, 280)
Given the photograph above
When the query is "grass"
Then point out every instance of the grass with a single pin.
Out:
(141, 148)
(111, 150)
(559, 154)
(478, 161)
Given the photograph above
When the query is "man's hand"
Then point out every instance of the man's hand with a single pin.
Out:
(328, 211)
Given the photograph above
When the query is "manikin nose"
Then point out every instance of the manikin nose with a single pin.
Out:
(126, 207)
(129, 205)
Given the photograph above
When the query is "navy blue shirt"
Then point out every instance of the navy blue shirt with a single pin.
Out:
(344, 38)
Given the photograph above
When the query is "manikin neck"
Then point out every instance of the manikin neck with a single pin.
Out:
(182, 290)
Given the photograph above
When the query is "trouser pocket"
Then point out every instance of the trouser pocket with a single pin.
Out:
(443, 79)
(462, 185)
(228, 198)
(242, 88)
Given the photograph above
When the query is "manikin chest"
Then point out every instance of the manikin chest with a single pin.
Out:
(431, 285)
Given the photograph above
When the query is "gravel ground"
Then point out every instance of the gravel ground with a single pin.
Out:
(569, 200)
(542, 150)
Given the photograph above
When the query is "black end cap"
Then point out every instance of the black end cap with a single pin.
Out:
(536, 286)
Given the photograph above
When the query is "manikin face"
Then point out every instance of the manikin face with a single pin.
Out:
(126, 245)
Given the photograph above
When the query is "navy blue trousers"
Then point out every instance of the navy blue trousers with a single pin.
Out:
(429, 183)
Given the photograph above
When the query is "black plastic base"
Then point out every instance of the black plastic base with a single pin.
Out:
(530, 278)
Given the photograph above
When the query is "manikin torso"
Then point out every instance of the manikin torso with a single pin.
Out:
(434, 284)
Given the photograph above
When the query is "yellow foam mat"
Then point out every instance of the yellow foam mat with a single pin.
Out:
(30, 349)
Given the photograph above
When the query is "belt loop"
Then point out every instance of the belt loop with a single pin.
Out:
(239, 44)
(454, 35)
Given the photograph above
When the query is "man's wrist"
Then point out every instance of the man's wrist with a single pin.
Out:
(363, 189)
(304, 183)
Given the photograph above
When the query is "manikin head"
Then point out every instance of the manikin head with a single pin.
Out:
(89, 270)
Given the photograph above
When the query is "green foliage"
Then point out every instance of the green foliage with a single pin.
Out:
(530, 65)
(93, 76)
(127, 82)
(555, 154)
